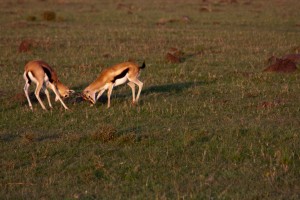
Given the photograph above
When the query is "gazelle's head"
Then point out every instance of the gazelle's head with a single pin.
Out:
(89, 96)
(63, 90)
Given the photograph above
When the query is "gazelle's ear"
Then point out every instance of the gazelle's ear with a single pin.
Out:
(71, 91)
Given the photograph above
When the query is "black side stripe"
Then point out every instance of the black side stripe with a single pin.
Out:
(47, 71)
(124, 72)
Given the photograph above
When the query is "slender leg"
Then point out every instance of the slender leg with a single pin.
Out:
(140, 85)
(109, 94)
(57, 95)
(26, 87)
(132, 86)
(99, 94)
(56, 98)
(48, 96)
(37, 94)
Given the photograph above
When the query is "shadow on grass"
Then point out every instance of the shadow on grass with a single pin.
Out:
(8, 137)
(28, 136)
(164, 88)
(19, 99)
(174, 87)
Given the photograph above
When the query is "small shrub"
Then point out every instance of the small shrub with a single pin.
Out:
(29, 137)
(104, 134)
(127, 139)
(31, 18)
(49, 16)
(25, 46)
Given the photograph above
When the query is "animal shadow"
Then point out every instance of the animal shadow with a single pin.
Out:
(173, 87)
(164, 88)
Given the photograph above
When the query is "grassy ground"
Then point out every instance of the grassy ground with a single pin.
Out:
(213, 126)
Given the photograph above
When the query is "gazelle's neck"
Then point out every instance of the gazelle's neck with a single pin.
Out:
(97, 85)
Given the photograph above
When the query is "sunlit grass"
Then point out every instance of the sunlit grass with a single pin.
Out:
(212, 126)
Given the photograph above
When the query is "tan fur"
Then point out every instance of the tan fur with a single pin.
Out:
(106, 81)
(36, 71)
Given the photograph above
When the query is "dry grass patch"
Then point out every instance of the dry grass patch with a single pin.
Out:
(28, 45)
(49, 16)
(104, 134)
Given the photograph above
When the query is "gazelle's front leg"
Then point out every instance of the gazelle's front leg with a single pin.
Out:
(57, 95)
(110, 87)
(99, 94)
(132, 86)
(47, 94)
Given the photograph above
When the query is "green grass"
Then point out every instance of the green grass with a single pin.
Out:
(212, 127)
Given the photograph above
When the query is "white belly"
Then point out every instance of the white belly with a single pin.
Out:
(121, 81)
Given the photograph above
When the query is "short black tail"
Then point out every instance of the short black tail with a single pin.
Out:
(143, 65)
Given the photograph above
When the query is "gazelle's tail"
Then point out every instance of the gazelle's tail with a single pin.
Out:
(143, 65)
(27, 78)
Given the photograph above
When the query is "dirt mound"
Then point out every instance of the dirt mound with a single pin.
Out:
(129, 8)
(174, 55)
(228, 1)
(27, 45)
(282, 65)
(183, 19)
(49, 16)
(172, 59)
(292, 57)
(287, 63)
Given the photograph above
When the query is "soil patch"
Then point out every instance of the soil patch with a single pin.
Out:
(174, 55)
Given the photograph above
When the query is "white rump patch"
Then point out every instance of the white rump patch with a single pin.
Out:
(32, 78)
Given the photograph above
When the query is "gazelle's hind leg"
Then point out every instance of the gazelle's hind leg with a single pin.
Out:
(57, 94)
(140, 85)
(132, 86)
(26, 88)
(37, 94)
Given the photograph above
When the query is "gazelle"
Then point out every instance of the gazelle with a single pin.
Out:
(114, 76)
(44, 77)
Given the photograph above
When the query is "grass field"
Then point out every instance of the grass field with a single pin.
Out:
(213, 126)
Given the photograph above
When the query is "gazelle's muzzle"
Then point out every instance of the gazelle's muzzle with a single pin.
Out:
(88, 98)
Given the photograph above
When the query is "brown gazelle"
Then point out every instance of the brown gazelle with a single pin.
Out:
(114, 76)
(44, 77)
